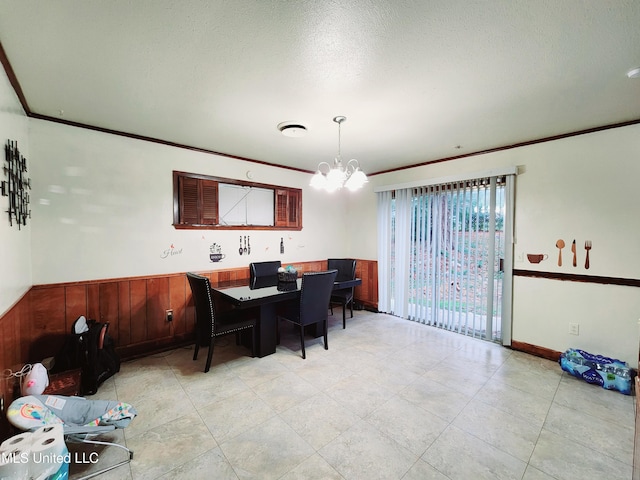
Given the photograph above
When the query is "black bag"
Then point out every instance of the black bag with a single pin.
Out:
(93, 351)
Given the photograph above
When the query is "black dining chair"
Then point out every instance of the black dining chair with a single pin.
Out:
(312, 305)
(346, 271)
(263, 269)
(212, 321)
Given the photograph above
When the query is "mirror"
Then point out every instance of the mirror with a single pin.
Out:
(244, 205)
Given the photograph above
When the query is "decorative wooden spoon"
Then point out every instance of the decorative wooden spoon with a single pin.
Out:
(560, 245)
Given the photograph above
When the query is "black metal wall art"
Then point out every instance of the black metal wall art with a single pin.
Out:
(16, 185)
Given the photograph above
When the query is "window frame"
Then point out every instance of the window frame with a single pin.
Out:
(293, 220)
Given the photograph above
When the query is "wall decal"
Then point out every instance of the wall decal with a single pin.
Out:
(16, 185)
(171, 251)
(216, 254)
(587, 246)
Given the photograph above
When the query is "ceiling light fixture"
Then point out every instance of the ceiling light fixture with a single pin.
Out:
(289, 129)
(634, 73)
(339, 175)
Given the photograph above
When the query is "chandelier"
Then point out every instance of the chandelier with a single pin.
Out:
(337, 176)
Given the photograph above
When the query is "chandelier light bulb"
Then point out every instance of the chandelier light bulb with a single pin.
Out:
(318, 180)
(634, 73)
(356, 181)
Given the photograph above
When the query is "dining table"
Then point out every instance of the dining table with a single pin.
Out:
(263, 295)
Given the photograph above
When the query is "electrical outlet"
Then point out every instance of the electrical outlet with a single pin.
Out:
(169, 315)
(574, 328)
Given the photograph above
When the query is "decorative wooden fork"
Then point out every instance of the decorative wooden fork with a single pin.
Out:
(587, 247)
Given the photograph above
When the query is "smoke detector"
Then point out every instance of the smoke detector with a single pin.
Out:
(292, 129)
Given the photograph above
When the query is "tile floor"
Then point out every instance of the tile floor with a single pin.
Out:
(390, 399)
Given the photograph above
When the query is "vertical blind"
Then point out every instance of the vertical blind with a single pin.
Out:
(443, 255)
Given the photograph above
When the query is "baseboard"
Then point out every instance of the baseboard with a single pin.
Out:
(536, 350)
(154, 347)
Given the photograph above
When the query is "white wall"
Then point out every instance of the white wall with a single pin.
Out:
(103, 209)
(15, 245)
(583, 187)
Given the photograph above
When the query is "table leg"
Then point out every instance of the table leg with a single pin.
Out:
(266, 330)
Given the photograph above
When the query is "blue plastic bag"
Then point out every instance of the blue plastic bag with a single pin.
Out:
(607, 372)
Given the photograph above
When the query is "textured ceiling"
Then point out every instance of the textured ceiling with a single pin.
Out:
(417, 80)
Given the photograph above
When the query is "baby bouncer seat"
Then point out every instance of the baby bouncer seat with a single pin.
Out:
(78, 418)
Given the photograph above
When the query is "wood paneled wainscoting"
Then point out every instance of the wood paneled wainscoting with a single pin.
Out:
(35, 327)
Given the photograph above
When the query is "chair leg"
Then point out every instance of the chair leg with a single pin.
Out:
(331, 307)
(302, 341)
(344, 315)
(326, 329)
(209, 355)
(196, 349)
(351, 307)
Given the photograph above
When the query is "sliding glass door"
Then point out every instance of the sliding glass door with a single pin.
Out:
(446, 263)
